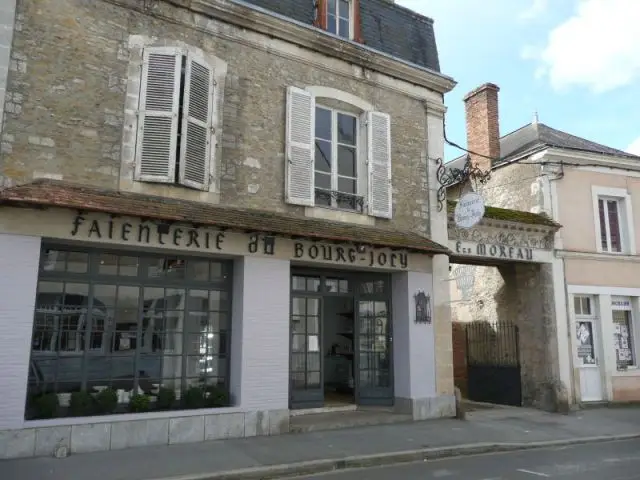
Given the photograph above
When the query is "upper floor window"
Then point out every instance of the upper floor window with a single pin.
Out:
(609, 216)
(339, 17)
(336, 158)
(336, 155)
(614, 225)
(175, 117)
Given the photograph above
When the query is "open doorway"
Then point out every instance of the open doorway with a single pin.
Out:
(338, 346)
(340, 340)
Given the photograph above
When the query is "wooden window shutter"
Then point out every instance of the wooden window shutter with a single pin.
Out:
(157, 134)
(300, 148)
(321, 14)
(197, 134)
(379, 162)
(357, 22)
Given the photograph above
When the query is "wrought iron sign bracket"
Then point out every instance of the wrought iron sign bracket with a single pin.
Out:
(448, 176)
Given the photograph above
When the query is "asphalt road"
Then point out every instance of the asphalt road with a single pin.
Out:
(610, 461)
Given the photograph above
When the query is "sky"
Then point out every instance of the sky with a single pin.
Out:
(574, 62)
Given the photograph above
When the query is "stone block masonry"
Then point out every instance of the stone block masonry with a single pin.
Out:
(66, 96)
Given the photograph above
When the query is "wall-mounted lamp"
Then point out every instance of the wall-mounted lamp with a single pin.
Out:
(423, 307)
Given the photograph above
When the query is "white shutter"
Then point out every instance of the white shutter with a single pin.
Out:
(300, 153)
(158, 115)
(379, 160)
(197, 133)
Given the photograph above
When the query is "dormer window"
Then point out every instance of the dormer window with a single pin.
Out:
(339, 17)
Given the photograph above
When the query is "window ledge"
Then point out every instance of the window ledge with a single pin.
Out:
(130, 417)
(326, 213)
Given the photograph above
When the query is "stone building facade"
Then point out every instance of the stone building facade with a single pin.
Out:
(508, 293)
(581, 341)
(284, 150)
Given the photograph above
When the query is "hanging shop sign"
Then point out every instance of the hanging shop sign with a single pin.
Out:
(469, 210)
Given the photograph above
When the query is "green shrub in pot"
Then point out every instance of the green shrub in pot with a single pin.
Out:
(106, 401)
(139, 403)
(166, 398)
(82, 404)
(216, 397)
(46, 405)
(194, 398)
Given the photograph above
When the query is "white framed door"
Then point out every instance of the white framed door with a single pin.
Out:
(587, 349)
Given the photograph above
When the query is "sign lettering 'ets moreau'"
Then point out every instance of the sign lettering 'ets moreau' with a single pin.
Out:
(469, 210)
(495, 251)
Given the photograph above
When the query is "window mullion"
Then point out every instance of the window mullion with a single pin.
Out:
(621, 235)
(334, 154)
(607, 228)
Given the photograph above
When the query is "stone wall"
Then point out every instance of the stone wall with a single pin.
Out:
(521, 294)
(68, 89)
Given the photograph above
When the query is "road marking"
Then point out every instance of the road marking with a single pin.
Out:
(530, 472)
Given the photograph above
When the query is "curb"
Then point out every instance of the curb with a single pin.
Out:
(315, 467)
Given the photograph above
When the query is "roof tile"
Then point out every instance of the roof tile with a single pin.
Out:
(54, 193)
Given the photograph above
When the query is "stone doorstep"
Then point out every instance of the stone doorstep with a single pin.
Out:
(122, 434)
(332, 419)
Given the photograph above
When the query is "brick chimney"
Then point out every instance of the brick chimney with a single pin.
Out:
(483, 129)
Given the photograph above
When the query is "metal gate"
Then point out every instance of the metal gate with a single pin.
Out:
(493, 363)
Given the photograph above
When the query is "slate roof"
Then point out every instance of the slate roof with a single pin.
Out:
(55, 193)
(540, 135)
(537, 136)
(387, 27)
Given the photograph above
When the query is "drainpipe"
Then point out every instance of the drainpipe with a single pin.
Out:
(572, 394)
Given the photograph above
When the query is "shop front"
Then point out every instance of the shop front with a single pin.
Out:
(191, 322)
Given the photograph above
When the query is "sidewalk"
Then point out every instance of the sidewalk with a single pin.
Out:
(486, 427)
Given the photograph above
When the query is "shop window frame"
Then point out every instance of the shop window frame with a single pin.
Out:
(92, 277)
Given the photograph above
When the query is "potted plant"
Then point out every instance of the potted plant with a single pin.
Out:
(216, 397)
(139, 403)
(46, 405)
(82, 404)
(106, 401)
(166, 398)
(194, 398)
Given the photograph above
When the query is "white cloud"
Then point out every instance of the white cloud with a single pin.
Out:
(537, 8)
(634, 147)
(598, 47)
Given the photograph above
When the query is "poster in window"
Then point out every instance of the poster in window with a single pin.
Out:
(584, 335)
(622, 339)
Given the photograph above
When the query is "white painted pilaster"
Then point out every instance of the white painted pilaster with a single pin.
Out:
(413, 343)
(607, 348)
(260, 334)
(19, 258)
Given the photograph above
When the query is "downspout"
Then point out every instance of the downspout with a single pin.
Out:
(572, 376)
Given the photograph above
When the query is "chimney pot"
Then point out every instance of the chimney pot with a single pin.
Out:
(483, 125)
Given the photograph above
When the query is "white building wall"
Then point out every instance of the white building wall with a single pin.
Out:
(19, 258)
(414, 352)
(260, 346)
